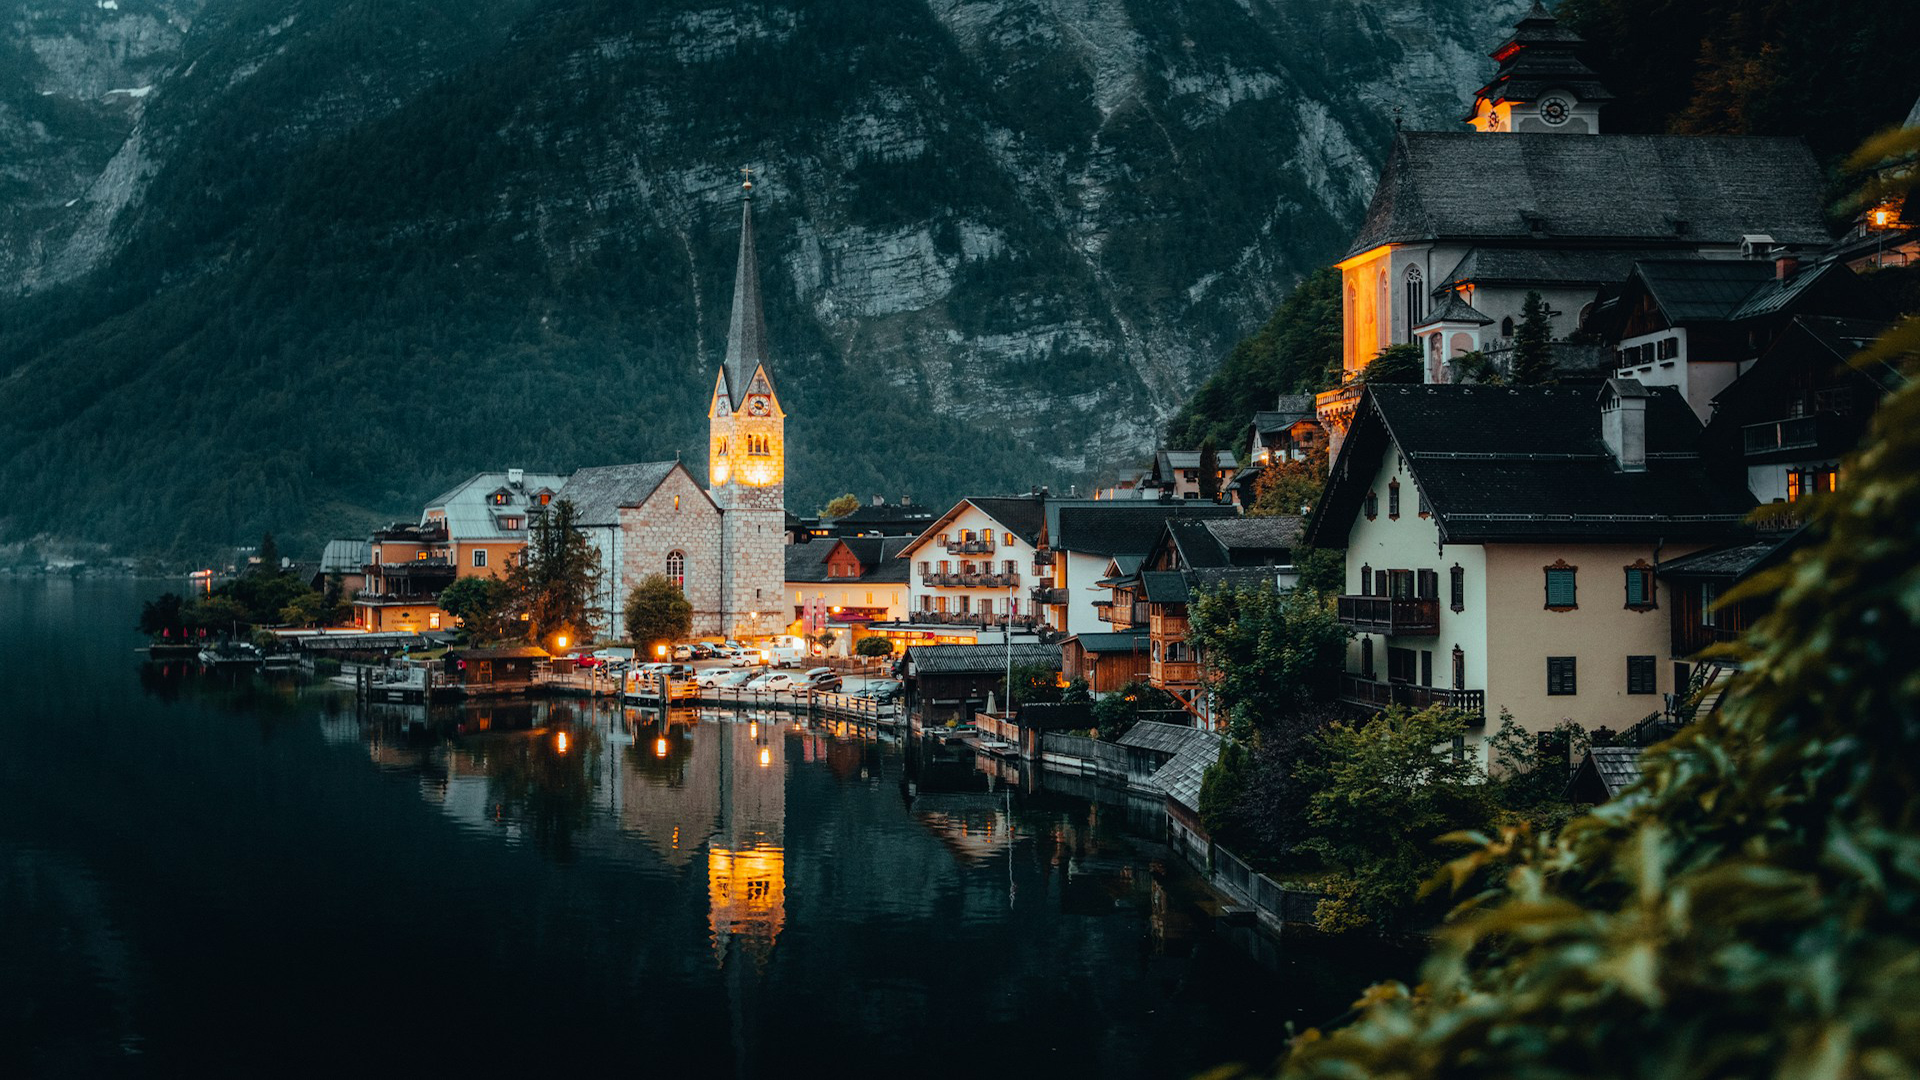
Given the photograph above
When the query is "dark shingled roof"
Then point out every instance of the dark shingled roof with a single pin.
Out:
(1157, 736)
(1616, 768)
(747, 331)
(960, 659)
(1701, 290)
(808, 562)
(1023, 515)
(1516, 464)
(1164, 587)
(1664, 189)
(598, 493)
(1116, 527)
(1727, 562)
(1776, 294)
(1181, 776)
(1454, 308)
(1484, 265)
(1251, 541)
(1112, 643)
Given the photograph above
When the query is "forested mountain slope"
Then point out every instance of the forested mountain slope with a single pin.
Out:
(298, 264)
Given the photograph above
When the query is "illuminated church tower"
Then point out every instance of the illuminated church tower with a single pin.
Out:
(747, 459)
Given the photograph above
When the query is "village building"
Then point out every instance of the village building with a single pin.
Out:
(1502, 547)
(1084, 537)
(1176, 474)
(346, 559)
(1537, 199)
(644, 519)
(850, 583)
(949, 682)
(973, 575)
(1106, 662)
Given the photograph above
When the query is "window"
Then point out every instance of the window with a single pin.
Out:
(546, 497)
(1178, 652)
(1400, 665)
(965, 605)
(1639, 674)
(510, 524)
(1366, 580)
(1366, 657)
(1640, 591)
(1560, 587)
(1400, 584)
(923, 568)
(1427, 584)
(1393, 500)
(1804, 483)
(1416, 299)
(500, 498)
(677, 568)
(1007, 539)
(1560, 676)
(1458, 581)
(1709, 592)
(1459, 669)
(1426, 508)
(479, 557)
(1373, 506)
(1426, 667)
(1506, 326)
(1007, 567)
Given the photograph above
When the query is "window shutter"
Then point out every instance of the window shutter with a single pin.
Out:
(1459, 576)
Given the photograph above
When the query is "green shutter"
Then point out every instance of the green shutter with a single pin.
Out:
(1560, 590)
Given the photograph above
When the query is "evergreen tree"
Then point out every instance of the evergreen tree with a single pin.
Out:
(269, 555)
(556, 578)
(1532, 345)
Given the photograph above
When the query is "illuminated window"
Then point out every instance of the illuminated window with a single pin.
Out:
(546, 497)
(1803, 483)
(677, 568)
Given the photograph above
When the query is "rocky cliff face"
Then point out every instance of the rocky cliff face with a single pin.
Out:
(1002, 238)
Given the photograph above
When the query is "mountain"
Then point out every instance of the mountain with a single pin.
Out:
(297, 264)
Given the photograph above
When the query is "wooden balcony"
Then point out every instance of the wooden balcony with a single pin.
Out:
(1791, 437)
(413, 569)
(1355, 690)
(1048, 595)
(1184, 673)
(1169, 626)
(1389, 615)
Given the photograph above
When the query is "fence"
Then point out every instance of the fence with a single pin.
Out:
(1274, 904)
(1085, 754)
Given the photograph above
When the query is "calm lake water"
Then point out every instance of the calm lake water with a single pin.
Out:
(218, 873)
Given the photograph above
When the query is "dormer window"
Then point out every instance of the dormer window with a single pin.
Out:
(510, 524)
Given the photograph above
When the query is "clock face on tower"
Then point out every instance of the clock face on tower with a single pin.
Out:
(757, 406)
(1554, 110)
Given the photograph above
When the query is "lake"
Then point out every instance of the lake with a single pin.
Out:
(216, 872)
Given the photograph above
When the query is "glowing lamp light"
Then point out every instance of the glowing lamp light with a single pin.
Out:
(1881, 217)
(560, 742)
(753, 731)
(766, 756)
(659, 748)
(659, 650)
(561, 641)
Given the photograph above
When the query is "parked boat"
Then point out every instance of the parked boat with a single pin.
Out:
(230, 654)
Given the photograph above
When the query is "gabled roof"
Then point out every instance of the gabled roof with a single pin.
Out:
(962, 659)
(1129, 642)
(1248, 541)
(345, 556)
(1454, 308)
(1159, 737)
(1609, 769)
(1022, 515)
(1112, 527)
(875, 554)
(600, 492)
(1731, 561)
(1289, 410)
(1509, 264)
(1700, 290)
(1778, 294)
(1182, 775)
(1514, 464)
(1164, 587)
(1557, 191)
(1168, 461)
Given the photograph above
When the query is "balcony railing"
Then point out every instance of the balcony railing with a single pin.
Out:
(1378, 695)
(972, 581)
(970, 547)
(412, 568)
(1049, 595)
(968, 618)
(1797, 433)
(1174, 673)
(1174, 626)
(1390, 615)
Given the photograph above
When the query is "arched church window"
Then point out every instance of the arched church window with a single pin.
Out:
(677, 569)
(1506, 327)
(1416, 299)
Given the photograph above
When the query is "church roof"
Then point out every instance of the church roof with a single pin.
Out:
(599, 492)
(1455, 309)
(1554, 191)
(1510, 265)
(1540, 56)
(747, 332)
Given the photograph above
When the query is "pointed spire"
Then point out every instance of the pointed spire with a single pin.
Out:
(747, 333)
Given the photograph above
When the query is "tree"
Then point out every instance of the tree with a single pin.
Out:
(1297, 351)
(1032, 683)
(1477, 369)
(162, 617)
(658, 612)
(1532, 345)
(1395, 364)
(1209, 470)
(1114, 714)
(336, 604)
(484, 606)
(1266, 654)
(307, 609)
(1748, 909)
(269, 555)
(557, 577)
(1286, 486)
(841, 506)
(873, 645)
(1380, 792)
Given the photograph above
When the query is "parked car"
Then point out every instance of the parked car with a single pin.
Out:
(740, 658)
(735, 680)
(614, 654)
(703, 650)
(781, 680)
(764, 680)
(682, 652)
(711, 676)
(822, 679)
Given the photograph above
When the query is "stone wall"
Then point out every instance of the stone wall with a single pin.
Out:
(755, 557)
(677, 517)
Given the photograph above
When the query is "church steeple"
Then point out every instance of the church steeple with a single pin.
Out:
(1541, 85)
(747, 333)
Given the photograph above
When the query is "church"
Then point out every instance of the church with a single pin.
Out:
(722, 544)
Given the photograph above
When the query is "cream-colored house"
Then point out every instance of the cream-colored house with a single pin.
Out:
(1502, 546)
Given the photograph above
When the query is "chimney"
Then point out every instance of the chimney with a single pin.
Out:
(516, 477)
(879, 500)
(1785, 264)
(906, 500)
(1623, 422)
